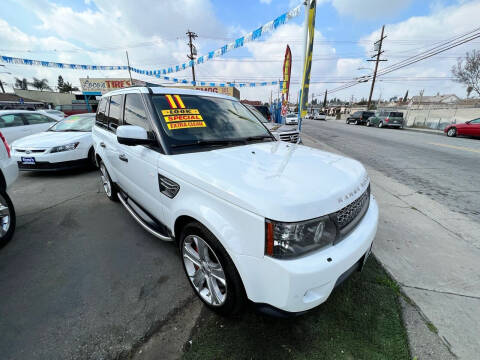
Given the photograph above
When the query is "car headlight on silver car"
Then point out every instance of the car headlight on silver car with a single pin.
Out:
(67, 147)
(289, 240)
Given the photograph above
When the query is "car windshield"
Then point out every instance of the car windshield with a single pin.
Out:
(75, 123)
(206, 120)
(257, 114)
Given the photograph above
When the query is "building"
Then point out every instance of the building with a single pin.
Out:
(47, 97)
(13, 101)
(437, 99)
(224, 90)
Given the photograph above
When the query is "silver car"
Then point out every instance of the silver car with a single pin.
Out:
(288, 133)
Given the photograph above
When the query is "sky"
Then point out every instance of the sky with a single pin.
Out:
(99, 31)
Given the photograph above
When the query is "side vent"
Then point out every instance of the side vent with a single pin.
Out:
(168, 187)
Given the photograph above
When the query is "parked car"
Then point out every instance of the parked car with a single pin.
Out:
(72, 109)
(288, 133)
(291, 119)
(253, 218)
(265, 111)
(56, 114)
(15, 124)
(320, 116)
(8, 174)
(309, 117)
(66, 145)
(359, 117)
(469, 128)
(386, 119)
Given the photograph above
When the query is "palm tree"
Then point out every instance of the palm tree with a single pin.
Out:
(21, 83)
(67, 87)
(40, 84)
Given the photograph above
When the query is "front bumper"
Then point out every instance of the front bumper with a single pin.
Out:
(301, 284)
(53, 166)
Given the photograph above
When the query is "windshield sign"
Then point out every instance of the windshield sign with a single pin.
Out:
(75, 123)
(200, 119)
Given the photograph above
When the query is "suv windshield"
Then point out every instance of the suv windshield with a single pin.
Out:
(206, 120)
(257, 113)
(75, 123)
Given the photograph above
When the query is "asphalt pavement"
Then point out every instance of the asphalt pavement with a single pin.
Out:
(445, 169)
(428, 232)
(81, 279)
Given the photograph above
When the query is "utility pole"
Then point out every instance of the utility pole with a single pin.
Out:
(193, 51)
(378, 44)
(129, 71)
(325, 100)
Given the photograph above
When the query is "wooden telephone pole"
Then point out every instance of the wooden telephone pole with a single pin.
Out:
(378, 44)
(193, 51)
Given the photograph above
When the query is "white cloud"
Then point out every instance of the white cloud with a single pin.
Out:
(362, 9)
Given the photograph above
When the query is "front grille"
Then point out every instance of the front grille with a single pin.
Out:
(32, 151)
(350, 215)
(291, 137)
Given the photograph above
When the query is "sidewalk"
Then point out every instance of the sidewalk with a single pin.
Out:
(426, 131)
(434, 255)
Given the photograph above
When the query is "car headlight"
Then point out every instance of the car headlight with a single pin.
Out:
(67, 147)
(288, 240)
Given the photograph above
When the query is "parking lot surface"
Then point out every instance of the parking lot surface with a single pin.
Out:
(81, 279)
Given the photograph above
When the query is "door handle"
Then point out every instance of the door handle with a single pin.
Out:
(102, 144)
(123, 157)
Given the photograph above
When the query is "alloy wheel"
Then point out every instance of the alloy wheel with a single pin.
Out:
(204, 270)
(5, 218)
(452, 132)
(368, 123)
(107, 186)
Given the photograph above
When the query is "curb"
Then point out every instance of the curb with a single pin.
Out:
(434, 132)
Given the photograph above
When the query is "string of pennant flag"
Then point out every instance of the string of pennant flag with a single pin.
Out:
(161, 73)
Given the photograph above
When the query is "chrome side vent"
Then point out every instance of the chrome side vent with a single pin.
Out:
(168, 187)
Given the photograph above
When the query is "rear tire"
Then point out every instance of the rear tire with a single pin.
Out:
(108, 185)
(210, 271)
(380, 124)
(452, 132)
(368, 123)
(7, 218)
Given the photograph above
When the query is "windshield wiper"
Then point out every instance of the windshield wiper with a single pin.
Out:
(258, 137)
(219, 142)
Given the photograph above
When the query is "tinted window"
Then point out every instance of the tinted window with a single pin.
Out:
(368, 114)
(135, 113)
(264, 110)
(396, 114)
(115, 111)
(34, 119)
(257, 113)
(11, 120)
(102, 111)
(476, 121)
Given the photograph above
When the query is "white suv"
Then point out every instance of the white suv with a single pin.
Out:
(277, 223)
(8, 174)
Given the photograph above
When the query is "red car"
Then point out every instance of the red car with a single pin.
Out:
(470, 128)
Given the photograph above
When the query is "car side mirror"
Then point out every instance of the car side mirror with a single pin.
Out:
(133, 135)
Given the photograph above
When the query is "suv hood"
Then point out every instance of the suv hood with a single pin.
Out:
(276, 180)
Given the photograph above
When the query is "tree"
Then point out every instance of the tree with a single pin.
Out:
(21, 83)
(68, 88)
(468, 73)
(60, 83)
(40, 84)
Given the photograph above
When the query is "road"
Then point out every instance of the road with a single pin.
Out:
(445, 169)
(81, 279)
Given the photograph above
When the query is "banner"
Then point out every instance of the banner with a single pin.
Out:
(222, 84)
(307, 67)
(287, 68)
(240, 42)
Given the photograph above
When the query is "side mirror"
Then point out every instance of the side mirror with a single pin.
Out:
(133, 135)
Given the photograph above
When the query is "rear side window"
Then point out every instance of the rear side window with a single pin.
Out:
(114, 112)
(102, 111)
(34, 119)
(11, 120)
(368, 114)
(134, 113)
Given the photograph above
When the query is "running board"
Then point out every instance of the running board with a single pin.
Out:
(140, 220)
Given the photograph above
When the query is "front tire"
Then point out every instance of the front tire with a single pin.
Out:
(452, 132)
(108, 185)
(210, 270)
(380, 124)
(7, 218)
(91, 159)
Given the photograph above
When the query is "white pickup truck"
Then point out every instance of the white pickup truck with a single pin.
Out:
(277, 223)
